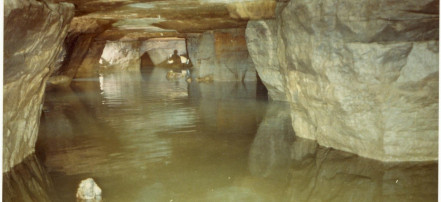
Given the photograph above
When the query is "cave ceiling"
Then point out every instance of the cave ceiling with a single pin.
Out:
(137, 19)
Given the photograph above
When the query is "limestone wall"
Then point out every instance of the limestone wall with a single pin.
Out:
(361, 76)
(222, 54)
(33, 36)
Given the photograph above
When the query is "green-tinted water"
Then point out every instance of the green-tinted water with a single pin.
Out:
(144, 138)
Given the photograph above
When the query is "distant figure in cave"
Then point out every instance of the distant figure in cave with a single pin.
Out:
(176, 61)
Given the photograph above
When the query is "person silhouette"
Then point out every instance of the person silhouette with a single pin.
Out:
(175, 57)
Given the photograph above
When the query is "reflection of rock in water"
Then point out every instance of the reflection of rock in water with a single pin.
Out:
(233, 194)
(332, 175)
(270, 150)
(324, 174)
(28, 181)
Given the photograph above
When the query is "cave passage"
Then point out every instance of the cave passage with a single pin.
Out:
(145, 138)
(221, 100)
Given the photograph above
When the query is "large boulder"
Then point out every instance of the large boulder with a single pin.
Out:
(34, 32)
(361, 76)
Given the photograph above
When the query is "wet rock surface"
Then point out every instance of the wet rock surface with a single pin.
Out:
(360, 76)
(33, 37)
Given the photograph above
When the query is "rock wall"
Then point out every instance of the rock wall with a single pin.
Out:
(361, 76)
(121, 55)
(201, 52)
(76, 46)
(222, 54)
(233, 60)
(262, 44)
(160, 50)
(33, 37)
(78, 42)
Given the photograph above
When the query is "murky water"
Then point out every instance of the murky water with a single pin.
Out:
(144, 138)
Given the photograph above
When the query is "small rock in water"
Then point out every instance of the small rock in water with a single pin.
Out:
(89, 190)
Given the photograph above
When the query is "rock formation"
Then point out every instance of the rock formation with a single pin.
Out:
(89, 66)
(262, 44)
(222, 54)
(81, 36)
(88, 190)
(201, 52)
(360, 76)
(33, 37)
(121, 55)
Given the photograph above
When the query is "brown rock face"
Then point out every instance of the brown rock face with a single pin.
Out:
(361, 76)
(233, 60)
(89, 67)
(222, 54)
(33, 37)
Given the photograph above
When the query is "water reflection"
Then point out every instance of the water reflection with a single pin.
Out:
(144, 138)
(314, 173)
(28, 181)
(270, 150)
(331, 175)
